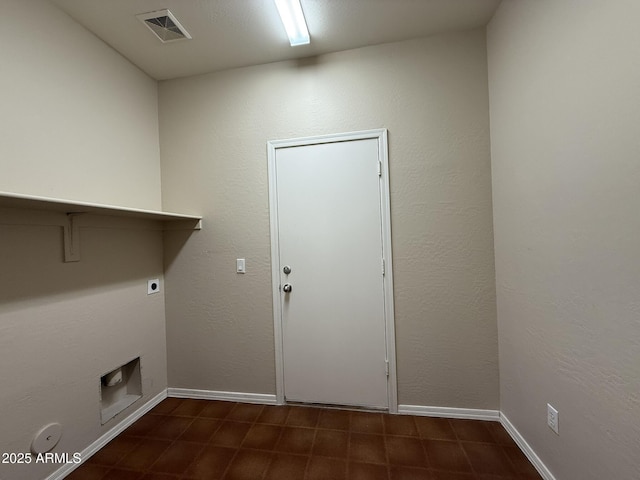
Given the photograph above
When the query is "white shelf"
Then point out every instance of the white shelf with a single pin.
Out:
(16, 200)
(73, 209)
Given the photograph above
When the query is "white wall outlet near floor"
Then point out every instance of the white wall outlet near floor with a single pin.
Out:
(552, 418)
(153, 286)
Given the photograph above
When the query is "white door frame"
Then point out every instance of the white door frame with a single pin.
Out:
(381, 136)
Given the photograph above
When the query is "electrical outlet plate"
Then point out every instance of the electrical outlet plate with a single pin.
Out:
(153, 286)
(552, 418)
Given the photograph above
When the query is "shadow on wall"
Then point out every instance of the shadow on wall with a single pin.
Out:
(113, 252)
(173, 241)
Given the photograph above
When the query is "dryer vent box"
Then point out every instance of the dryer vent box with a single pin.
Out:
(119, 389)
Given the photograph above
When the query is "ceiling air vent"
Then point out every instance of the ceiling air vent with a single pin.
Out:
(164, 25)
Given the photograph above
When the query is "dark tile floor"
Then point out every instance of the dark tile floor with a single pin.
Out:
(203, 439)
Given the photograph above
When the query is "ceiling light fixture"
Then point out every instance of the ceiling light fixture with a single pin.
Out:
(293, 19)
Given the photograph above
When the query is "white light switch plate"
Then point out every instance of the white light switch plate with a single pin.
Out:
(240, 265)
(552, 418)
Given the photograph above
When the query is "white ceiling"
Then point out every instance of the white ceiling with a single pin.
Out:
(235, 33)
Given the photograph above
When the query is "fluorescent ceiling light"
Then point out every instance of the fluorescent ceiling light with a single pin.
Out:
(293, 19)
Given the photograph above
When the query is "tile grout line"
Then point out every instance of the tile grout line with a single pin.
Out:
(148, 469)
(255, 421)
(275, 443)
(349, 432)
(313, 442)
(306, 467)
(237, 449)
(386, 450)
(464, 452)
(427, 462)
(283, 426)
(110, 467)
(202, 447)
(220, 422)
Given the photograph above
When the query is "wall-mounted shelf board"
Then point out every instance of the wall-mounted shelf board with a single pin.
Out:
(17, 200)
(74, 209)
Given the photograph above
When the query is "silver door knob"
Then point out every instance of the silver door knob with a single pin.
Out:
(286, 287)
(287, 269)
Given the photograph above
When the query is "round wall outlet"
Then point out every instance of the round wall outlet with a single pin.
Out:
(47, 438)
(153, 286)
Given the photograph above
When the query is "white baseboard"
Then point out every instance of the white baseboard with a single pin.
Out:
(107, 437)
(526, 448)
(262, 398)
(446, 412)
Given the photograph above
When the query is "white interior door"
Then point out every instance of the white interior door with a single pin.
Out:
(330, 234)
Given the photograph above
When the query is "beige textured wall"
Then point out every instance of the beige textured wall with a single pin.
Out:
(432, 96)
(78, 120)
(63, 325)
(565, 124)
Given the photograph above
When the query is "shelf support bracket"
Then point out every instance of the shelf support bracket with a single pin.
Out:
(71, 238)
(183, 225)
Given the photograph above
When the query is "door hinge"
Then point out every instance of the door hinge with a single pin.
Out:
(383, 267)
(386, 367)
(379, 168)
